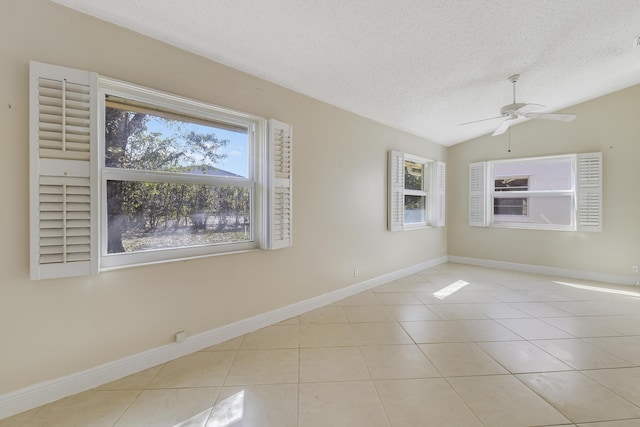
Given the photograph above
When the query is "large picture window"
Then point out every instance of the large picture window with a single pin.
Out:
(547, 193)
(174, 181)
(123, 175)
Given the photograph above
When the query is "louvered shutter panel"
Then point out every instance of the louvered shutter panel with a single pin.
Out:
(589, 192)
(477, 194)
(62, 135)
(440, 187)
(396, 191)
(280, 197)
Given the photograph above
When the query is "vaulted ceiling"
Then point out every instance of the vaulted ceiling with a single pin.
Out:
(422, 66)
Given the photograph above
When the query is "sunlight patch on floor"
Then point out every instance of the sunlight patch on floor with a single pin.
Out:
(600, 289)
(450, 289)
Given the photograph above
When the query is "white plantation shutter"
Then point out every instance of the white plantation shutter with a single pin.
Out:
(440, 200)
(477, 194)
(589, 192)
(62, 135)
(280, 181)
(395, 217)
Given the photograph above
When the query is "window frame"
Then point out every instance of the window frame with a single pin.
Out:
(65, 175)
(424, 193)
(256, 131)
(433, 191)
(522, 223)
(586, 185)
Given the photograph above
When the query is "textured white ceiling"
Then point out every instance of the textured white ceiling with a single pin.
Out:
(422, 66)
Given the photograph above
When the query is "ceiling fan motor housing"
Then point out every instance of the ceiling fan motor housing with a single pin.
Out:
(511, 109)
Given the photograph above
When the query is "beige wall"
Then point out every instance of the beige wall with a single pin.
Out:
(53, 328)
(608, 124)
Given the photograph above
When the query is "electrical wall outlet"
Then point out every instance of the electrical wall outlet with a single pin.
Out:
(356, 272)
(634, 268)
(181, 336)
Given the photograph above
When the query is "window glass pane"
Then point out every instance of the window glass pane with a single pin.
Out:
(512, 184)
(145, 216)
(510, 206)
(414, 209)
(139, 136)
(546, 174)
(540, 210)
(413, 175)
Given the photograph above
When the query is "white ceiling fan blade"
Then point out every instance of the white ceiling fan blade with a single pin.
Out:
(502, 128)
(529, 108)
(563, 117)
(482, 120)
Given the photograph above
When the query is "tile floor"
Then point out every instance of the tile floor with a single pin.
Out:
(453, 345)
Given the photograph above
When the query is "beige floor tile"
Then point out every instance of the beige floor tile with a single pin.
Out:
(522, 357)
(422, 287)
(256, 406)
(621, 423)
(389, 287)
(202, 369)
(364, 298)
(419, 402)
(580, 398)
(290, 322)
(580, 355)
(138, 381)
(277, 336)
(627, 348)
(484, 330)
(624, 381)
(412, 279)
(539, 309)
(324, 315)
(581, 327)
(404, 313)
(433, 331)
(343, 404)
(596, 308)
(88, 409)
(326, 335)
(533, 329)
(397, 361)
(465, 296)
(332, 364)
(512, 296)
(264, 367)
(362, 314)
(500, 310)
(456, 311)
(502, 400)
(398, 298)
(461, 359)
(184, 407)
(19, 419)
(382, 333)
(626, 325)
(232, 344)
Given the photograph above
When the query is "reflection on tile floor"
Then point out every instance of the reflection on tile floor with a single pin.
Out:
(504, 349)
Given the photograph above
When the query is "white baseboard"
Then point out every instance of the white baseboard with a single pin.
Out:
(45, 392)
(548, 271)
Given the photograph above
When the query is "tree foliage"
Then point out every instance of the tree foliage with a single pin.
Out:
(141, 207)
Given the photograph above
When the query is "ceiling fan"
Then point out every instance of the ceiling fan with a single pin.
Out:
(517, 110)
